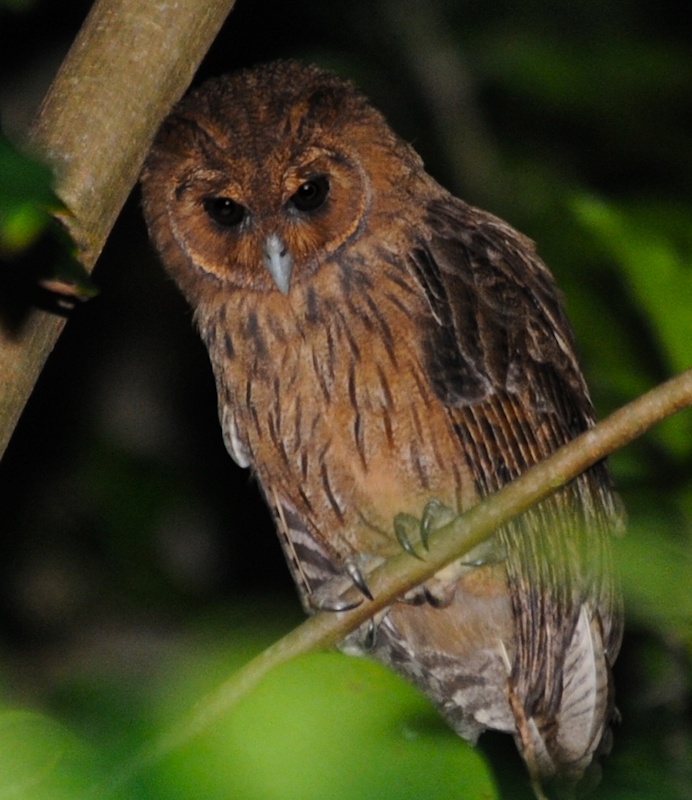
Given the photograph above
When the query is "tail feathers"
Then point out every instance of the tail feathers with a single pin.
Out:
(563, 747)
(585, 706)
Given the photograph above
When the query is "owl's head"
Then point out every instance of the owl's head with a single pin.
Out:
(257, 178)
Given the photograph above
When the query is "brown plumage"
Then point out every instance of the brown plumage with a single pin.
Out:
(378, 344)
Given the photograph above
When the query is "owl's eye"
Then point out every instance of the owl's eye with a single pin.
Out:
(311, 194)
(224, 211)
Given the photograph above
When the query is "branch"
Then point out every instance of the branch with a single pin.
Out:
(130, 62)
(400, 573)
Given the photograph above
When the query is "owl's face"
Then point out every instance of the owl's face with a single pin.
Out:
(256, 184)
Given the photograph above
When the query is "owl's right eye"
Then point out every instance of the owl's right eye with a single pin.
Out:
(224, 211)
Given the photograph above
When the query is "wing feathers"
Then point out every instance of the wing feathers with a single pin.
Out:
(500, 354)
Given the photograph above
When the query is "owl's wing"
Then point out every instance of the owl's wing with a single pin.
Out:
(500, 355)
(499, 315)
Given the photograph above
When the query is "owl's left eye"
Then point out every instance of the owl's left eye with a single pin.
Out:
(311, 194)
(224, 211)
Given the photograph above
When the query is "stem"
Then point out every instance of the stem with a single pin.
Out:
(129, 63)
(400, 573)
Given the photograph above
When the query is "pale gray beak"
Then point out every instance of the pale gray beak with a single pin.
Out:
(278, 261)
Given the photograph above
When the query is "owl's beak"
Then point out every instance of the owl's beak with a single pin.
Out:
(278, 261)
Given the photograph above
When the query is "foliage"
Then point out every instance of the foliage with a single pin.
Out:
(34, 247)
(25, 198)
(41, 760)
(376, 737)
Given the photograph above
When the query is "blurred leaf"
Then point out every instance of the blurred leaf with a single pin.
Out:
(29, 235)
(25, 196)
(326, 725)
(557, 76)
(40, 760)
(640, 776)
(654, 573)
(660, 280)
(562, 73)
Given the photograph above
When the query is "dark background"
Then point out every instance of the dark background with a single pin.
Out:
(127, 533)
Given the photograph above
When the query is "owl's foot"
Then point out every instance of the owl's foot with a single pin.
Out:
(328, 596)
(355, 574)
(491, 551)
(407, 528)
(435, 515)
(410, 531)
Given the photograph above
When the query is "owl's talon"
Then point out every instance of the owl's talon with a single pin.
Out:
(405, 524)
(329, 595)
(369, 638)
(435, 515)
(336, 606)
(356, 576)
(489, 552)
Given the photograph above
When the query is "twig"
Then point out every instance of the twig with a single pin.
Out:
(400, 573)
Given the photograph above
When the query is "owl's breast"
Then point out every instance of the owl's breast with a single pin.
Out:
(330, 404)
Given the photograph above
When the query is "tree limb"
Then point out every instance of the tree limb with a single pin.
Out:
(129, 63)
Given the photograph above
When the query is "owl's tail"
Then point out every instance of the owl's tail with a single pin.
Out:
(561, 749)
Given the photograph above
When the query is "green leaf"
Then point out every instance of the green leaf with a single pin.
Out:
(40, 760)
(654, 571)
(25, 197)
(326, 725)
(658, 275)
(27, 227)
(660, 280)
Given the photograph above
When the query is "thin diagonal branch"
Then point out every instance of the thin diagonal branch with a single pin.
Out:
(399, 574)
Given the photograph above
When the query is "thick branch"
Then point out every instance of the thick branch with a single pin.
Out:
(130, 62)
(399, 574)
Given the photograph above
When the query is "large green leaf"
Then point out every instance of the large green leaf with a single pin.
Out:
(325, 725)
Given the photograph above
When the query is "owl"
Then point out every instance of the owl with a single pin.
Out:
(385, 356)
